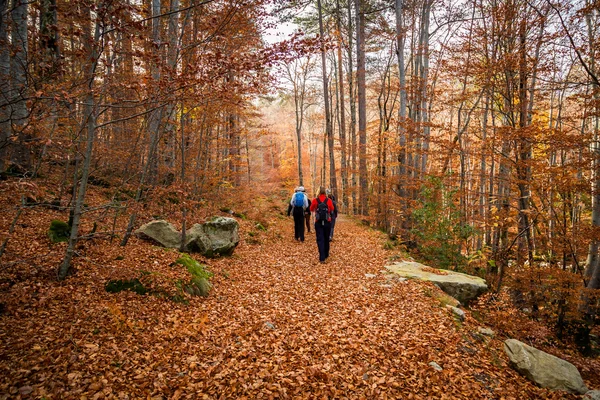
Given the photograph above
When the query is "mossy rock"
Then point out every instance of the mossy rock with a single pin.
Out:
(133, 285)
(59, 231)
(199, 285)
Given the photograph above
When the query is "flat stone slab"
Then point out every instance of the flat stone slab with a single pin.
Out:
(544, 369)
(462, 287)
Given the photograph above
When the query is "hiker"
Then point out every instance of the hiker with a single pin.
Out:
(307, 212)
(298, 204)
(334, 214)
(322, 206)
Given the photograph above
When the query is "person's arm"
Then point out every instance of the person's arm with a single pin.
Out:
(289, 209)
(330, 205)
(313, 205)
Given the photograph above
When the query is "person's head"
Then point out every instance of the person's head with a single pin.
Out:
(301, 189)
(328, 192)
(321, 190)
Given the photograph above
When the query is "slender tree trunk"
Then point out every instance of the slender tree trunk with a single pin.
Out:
(342, 110)
(400, 39)
(351, 94)
(328, 123)
(89, 121)
(156, 116)
(183, 191)
(482, 171)
(362, 106)
(424, 80)
(19, 88)
(5, 128)
(592, 270)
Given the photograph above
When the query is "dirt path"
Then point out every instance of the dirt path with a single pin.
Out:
(278, 324)
(300, 328)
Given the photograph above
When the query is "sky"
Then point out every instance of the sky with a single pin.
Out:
(281, 32)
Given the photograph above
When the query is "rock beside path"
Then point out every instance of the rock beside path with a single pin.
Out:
(544, 369)
(462, 287)
(218, 236)
(162, 232)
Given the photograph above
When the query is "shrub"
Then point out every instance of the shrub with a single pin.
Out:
(439, 226)
(199, 285)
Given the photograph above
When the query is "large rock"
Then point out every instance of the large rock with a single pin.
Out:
(162, 232)
(216, 237)
(544, 369)
(462, 287)
(223, 234)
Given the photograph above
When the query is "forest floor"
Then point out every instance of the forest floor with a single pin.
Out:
(277, 324)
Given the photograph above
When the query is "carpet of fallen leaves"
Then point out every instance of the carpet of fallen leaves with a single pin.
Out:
(277, 324)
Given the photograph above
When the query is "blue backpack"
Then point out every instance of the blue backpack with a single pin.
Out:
(298, 199)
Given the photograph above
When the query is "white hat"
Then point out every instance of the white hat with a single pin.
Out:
(301, 189)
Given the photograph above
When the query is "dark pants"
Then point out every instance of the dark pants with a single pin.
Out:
(298, 214)
(332, 228)
(323, 231)
(307, 217)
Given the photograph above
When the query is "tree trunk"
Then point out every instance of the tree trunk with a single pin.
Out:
(362, 106)
(424, 81)
(89, 121)
(341, 105)
(351, 94)
(156, 116)
(328, 124)
(400, 39)
(20, 155)
(592, 270)
(5, 128)
(523, 152)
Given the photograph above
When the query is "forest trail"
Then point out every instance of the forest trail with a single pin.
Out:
(278, 324)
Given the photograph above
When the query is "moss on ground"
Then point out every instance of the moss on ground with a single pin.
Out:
(199, 285)
(59, 231)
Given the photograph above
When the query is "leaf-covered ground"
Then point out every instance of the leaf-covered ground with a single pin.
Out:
(277, 324)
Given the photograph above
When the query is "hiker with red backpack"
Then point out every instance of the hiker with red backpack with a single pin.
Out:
(298, 204)
(322, 206)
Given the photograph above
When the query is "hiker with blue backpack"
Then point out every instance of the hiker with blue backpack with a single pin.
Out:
(298, 204)
(322, 206)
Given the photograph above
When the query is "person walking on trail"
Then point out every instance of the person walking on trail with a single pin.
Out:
(298, 204)
(334, 214)
(307, 212)
(322, 206)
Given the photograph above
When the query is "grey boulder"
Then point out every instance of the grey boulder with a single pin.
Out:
(544, 369)
(162, 232)
(592, 395)
(462, 287)
(216, 237)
